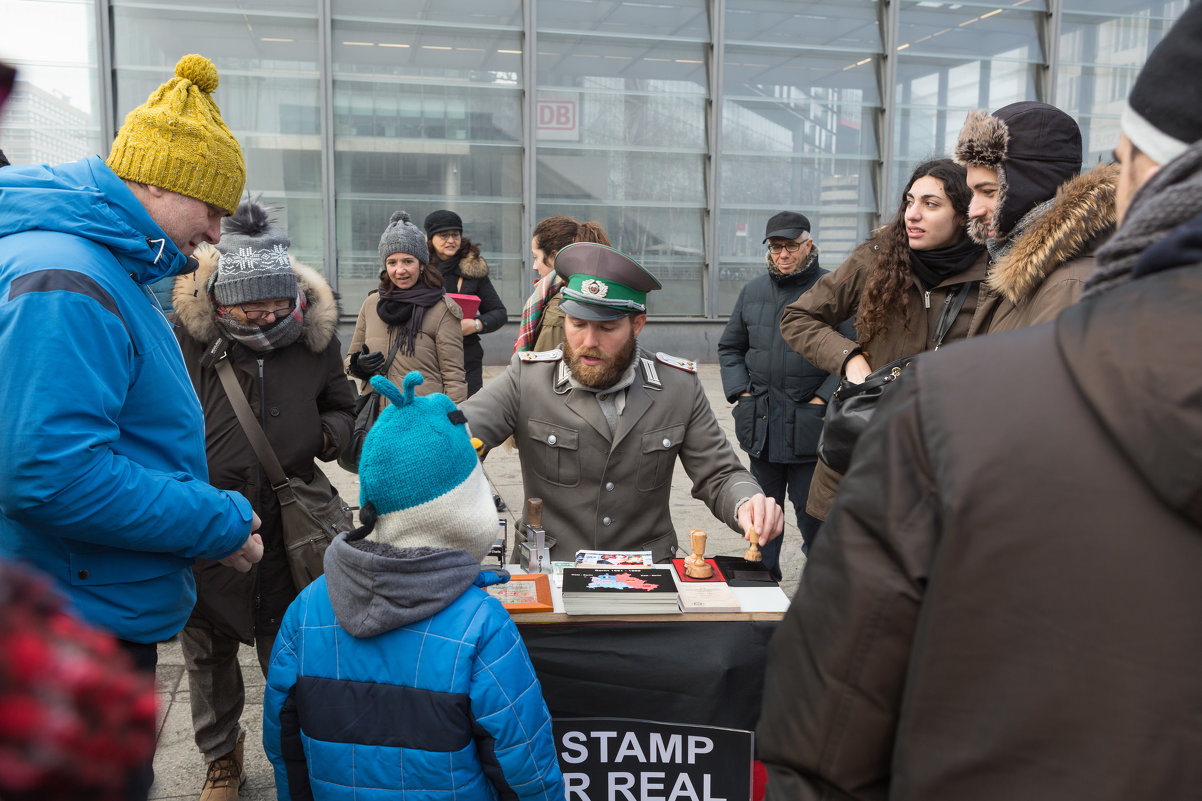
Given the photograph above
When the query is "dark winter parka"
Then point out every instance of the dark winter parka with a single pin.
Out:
(466, 273)
(776, 422)
(298, 393)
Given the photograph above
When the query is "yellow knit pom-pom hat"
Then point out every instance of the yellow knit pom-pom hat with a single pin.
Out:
(176, 140)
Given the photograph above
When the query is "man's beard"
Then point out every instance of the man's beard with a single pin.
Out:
(978, 230)
(601, 376)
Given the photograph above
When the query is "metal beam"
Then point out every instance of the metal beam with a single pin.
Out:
(325, 95)
(1051, 54)
(710, 286)
(888, 119)
(105, 94)
(529, 135)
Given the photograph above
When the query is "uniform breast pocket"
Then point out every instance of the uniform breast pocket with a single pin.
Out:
(553, 451)
(659, 455)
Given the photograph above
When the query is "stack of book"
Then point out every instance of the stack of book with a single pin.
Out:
(619, 591)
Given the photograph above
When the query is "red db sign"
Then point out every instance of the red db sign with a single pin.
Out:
(557, 118)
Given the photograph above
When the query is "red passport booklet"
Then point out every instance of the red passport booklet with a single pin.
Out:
(469, 304)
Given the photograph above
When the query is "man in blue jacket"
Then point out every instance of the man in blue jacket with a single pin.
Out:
(103, 476)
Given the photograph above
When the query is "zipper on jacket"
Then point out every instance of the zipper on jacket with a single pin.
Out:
(262, 393)
(926, 299)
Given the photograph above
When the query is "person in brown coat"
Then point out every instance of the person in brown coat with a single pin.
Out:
(897, 285)
(276, 322)
(1039, 218)
(410, 314)
(1003, 601)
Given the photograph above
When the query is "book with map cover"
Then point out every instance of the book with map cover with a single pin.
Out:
(619, 591)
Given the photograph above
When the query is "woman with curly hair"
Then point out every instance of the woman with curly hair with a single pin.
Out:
(897, 285)
(542, 321)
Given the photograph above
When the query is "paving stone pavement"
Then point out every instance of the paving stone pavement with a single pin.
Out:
(179, 769)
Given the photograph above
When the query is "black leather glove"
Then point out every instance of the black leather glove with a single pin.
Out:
(366, 364)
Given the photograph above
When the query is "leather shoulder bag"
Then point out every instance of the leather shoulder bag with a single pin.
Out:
(852, 405)
(312, 513)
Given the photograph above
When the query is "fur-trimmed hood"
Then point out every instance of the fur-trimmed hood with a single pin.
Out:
(472, 265)
(194, 308)
(1082, 211)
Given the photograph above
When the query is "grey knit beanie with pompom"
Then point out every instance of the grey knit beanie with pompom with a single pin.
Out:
(402, 236)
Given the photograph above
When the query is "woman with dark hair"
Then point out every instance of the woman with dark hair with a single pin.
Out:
(898, 285)
(410, 317)
(464, 272)
(542, 321)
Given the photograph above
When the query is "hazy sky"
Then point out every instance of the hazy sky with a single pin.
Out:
(51, 43)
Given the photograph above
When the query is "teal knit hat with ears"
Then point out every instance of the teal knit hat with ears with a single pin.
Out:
(420, 472)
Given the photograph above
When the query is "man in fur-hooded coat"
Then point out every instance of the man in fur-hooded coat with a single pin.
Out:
(288, 362)
(1039, 218)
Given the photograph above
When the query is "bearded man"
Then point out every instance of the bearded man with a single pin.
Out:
(600, 424)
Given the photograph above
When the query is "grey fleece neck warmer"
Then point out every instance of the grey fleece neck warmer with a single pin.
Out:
(375, 587)
(1170, 197)
(998, 248)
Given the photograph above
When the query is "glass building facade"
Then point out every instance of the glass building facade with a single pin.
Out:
(679, 125)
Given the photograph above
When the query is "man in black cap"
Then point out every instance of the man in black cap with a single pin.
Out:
(1039, 218)
(780, 397)
(600, 425)
(1003, 601)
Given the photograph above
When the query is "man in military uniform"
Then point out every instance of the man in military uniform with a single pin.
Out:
(600, 425)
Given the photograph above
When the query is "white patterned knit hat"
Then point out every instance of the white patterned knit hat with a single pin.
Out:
(254, 262)
(421, 473)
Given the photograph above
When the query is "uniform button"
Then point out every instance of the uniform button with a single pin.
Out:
(605, 521)
(602, 396)
(667, 442)
(274, 412)
(552, 439)
(83, 574)
(609, 486)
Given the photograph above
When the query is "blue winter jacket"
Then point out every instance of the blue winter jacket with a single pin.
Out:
(432, 698)
(102, 461)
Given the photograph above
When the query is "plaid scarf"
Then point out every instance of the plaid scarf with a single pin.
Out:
(532, 312)
(279, 334)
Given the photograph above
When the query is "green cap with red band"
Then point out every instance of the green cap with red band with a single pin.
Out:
(602, 283)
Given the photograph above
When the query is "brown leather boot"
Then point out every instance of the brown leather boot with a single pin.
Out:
(225, 775)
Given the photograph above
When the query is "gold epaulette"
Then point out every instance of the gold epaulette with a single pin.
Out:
(540, 355)
(688, 365)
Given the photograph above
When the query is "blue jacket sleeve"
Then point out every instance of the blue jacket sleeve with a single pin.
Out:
(279, 719)
(100, 442)
(507, 702)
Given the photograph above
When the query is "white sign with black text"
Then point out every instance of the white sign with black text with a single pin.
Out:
(615, 759)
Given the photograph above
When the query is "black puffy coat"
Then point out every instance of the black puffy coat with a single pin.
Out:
(303, 392)
(466, 273)
(776, 423)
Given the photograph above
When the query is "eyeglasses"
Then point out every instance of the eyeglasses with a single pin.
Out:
(255, 315)
(792, 247)
(450, 234)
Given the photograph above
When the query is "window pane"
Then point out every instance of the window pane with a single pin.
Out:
(674, 19)
(1102, 48)
(268, 95)
(53, 115)
(428, 115)
(799, 129)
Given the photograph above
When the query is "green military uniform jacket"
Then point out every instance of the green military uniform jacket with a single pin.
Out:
(602, 491)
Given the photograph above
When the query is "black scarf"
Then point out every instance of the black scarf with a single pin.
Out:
(407, 308)
(933, 267)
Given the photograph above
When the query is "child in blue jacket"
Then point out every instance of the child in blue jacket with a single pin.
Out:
(395, 674)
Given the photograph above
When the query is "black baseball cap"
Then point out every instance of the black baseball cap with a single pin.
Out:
(786, 225)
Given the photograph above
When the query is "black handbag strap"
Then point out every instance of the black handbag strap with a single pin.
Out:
(952, 305)
(254, 431)
(391, 351)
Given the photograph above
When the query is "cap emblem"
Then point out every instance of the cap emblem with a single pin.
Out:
(591, 286)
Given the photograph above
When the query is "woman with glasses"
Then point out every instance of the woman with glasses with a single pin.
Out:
(409, 323)
(464, 272)
(276, 323)
(896, 285)
(779, 397)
